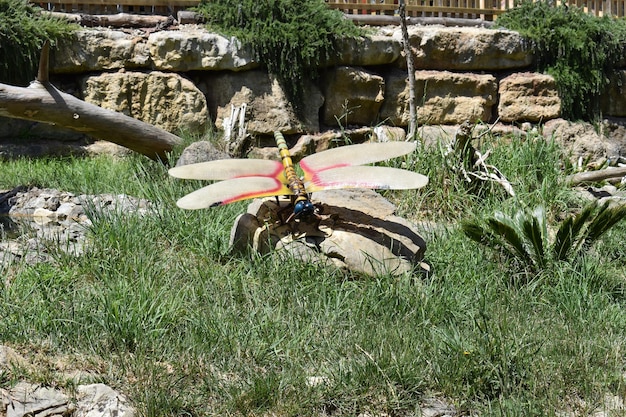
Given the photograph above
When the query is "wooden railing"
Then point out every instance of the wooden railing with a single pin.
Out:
(148, 7)
(469, 9)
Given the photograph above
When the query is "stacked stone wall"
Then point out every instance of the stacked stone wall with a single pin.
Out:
(189, 79)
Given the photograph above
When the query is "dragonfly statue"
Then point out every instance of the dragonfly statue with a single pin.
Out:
(342, 167)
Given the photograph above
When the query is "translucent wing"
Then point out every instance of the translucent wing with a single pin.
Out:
(229, 191)
(366, 177)
(225, 169)
(365, 153)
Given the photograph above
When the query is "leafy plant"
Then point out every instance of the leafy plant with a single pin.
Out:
(292, 38)
(525, 237)
(579, 50)
(23, 30)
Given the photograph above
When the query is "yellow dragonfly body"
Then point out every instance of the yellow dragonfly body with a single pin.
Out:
(335, 168)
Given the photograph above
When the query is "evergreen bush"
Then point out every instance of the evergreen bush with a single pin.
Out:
(579, 50)
(23, 31)
(292, 38)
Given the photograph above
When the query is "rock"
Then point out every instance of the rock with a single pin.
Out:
(99, 400)
(98, 49)
(268, 109)
(166, 100)
(39, 216)
(385, 133)
(446, 97)
(358, 231)
(466, 48)
(374, 49)
(96, 400)
(581, 140)
(354, 96)
(193, 48)
(528, 97)
(200, 151)
(25, 400)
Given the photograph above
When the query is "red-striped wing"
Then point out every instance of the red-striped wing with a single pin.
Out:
(351, 155)
(225, 169)
(365, 177)
(229, 191)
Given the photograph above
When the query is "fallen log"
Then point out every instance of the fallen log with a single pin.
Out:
(596, 176)
(42, 102)
(119, 20)
(383, 20)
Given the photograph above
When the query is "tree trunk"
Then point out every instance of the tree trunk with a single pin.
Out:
(42, 102)
(596, 176)
(410, 70)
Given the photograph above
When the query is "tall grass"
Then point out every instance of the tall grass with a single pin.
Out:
(190, 330)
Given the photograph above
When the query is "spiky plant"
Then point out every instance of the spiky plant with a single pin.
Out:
(524, 236)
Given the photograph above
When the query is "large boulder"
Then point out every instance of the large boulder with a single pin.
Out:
(166, 100)
(358, 231)
(467, 48)
(374, 49)
(268, 109)
(194, 49)
(99, 49)
(528, 97)
(444, 97)
(353, 97)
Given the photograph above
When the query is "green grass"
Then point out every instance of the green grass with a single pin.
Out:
(190, 330)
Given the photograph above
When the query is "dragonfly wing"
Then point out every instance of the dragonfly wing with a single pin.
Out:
(229, 191)
(365, 153)
(366, 177)
(225, 169)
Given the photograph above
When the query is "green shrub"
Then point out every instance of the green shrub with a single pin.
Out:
(525, 236)
(23, 30)
(579, 50)
(292, 38)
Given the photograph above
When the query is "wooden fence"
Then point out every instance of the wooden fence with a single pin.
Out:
(469, 9)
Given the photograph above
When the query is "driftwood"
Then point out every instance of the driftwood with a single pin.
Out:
(119, 20)
(126, 20)
(42, 102)
(596, 176)
(382, 20)
(470, 162)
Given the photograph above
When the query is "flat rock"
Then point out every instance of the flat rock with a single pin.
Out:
(358, 231)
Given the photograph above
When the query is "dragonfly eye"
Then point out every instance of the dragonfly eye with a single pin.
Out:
(303, 209)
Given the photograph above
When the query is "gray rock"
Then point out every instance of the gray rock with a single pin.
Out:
(99, 400)
(26, 400)
(200, 151)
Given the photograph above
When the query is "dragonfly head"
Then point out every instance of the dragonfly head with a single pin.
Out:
(303, 208)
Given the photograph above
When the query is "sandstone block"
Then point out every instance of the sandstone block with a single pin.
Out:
(530, 97)
(196, 49)
(99, 49)
(443, 97)
(368, 50)
(353, 97)
(268, 108)
(166, 100)
(466, 48)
